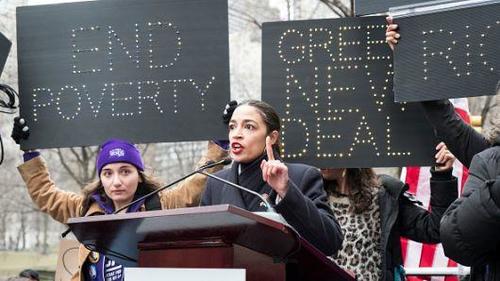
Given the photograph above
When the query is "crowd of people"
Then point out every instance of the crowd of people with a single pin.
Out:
(352, 215)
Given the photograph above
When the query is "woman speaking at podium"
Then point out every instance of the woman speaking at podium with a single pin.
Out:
(295, 189)
(122, 179)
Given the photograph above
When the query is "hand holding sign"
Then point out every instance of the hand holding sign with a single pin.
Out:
(20, 131)
(391, 33)
(444, 158)
(274, 172)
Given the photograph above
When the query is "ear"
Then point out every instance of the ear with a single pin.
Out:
(274, 135)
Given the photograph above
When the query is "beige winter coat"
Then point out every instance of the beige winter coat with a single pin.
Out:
(62, 205)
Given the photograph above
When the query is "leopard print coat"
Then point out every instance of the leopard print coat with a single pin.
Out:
(360, 252)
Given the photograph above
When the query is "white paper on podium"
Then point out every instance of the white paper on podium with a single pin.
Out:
(184, 274)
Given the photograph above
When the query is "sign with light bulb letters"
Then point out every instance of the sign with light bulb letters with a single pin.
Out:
(145, 71)
(331, 82)
(448, 54)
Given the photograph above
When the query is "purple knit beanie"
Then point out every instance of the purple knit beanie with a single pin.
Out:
(115, 150)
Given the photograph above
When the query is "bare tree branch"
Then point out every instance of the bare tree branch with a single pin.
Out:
(85, 164)
(244, 16)
(68, 168)
(77, 156)
(338, 7)
(487, 107)
(315, 9)
(288, 9)
(145, 150)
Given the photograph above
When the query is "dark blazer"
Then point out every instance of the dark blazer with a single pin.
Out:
(470, 228)
(304, 207)
(402, 216)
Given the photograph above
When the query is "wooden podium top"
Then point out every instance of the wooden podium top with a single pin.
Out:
(118, 235)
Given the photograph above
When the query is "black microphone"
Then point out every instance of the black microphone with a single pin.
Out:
(207, 165)
(268, 205)
(211, 163)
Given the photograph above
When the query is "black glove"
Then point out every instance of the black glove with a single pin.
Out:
(20, 131)
(228, 111)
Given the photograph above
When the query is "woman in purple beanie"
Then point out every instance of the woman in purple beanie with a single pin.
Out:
(121, 180)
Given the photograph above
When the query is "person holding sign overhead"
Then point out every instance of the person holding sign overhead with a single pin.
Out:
(295, 190)
(471, 225)
(375, 211)
(121, 180)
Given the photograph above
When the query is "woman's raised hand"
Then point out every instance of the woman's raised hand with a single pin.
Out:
(274, 172)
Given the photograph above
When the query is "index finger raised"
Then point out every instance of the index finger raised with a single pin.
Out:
(269, 149)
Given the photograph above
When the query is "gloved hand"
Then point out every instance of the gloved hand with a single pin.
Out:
(228, 111)
(20, 131)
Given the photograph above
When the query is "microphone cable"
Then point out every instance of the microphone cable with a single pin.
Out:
(8, 105)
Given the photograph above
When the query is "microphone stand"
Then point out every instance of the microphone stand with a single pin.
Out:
(268, 205)
(208, 165)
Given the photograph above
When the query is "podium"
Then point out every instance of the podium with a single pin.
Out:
(220, 236)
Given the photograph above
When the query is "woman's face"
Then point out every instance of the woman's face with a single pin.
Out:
(247, 134)
(120, 181)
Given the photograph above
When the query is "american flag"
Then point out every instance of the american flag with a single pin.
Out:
(418, 178)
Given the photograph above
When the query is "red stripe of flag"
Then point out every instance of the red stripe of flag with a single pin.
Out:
(428, 252)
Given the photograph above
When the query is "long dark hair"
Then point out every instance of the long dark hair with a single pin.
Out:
(270, 117)
(361, 182)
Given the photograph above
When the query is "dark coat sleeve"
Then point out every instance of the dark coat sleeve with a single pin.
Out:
(470, 228)
(305, 208)
(419, 224)
(206, 197)
(462, 140)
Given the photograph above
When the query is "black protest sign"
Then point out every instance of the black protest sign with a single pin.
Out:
(331, 81)
(366, 7)
(4, 51)
(448, 54)
(146, 71)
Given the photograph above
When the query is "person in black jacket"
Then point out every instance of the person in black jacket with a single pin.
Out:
(373, 208)
(295, 189)
(470, 228)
